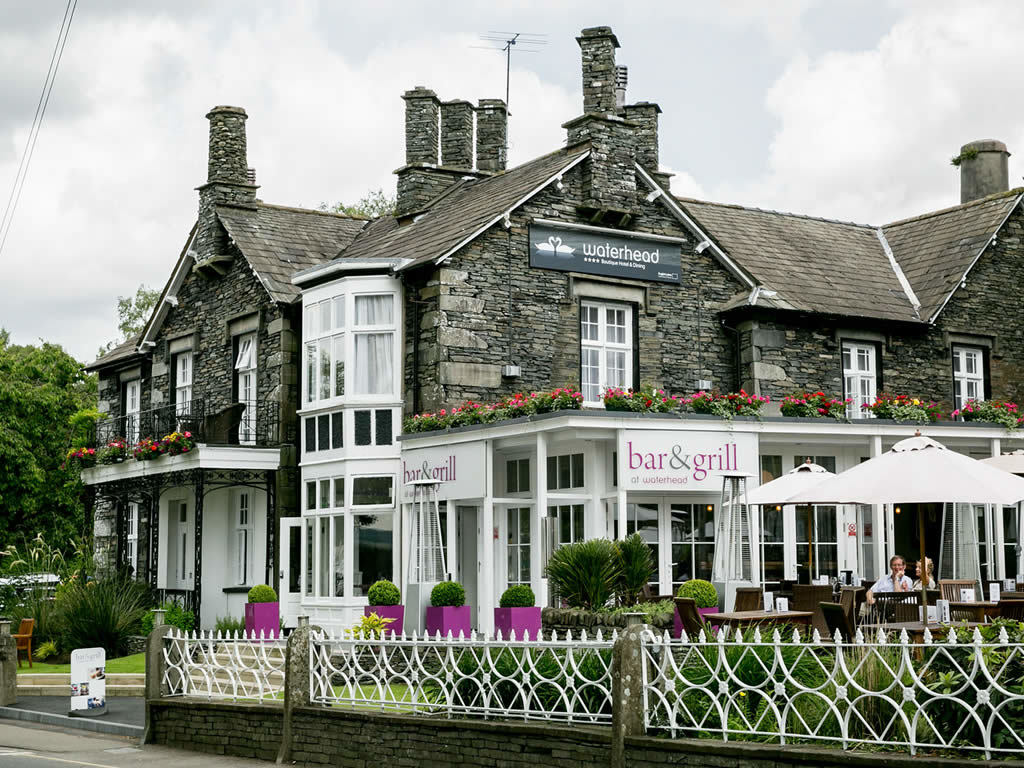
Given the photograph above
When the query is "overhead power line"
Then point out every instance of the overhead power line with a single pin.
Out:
(37, 122)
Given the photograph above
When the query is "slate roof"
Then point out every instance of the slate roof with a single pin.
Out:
(459, 212)
(813, 265)
(936, 250)
(278, 241)
(118, 354)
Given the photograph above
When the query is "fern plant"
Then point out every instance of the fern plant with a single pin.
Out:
(585, 573)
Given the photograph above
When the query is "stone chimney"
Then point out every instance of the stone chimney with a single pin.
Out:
(491, 135)
(421, 125)
(457, 134)
(644, 115)
(598, 45)
(983, 169)
(228, 181)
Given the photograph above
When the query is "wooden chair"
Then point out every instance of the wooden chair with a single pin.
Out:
(1011, 609)
(850, 599)
(837, 620)
(809, 597)
(895, 606)
(647, 595)
(690, 617)
(749, 599)
(23, 639)
(950, 589)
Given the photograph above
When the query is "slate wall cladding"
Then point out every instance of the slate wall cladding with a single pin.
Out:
(784, 353)
(487, 307)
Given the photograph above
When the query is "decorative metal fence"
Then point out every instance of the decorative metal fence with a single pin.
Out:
(235, 666)
(945, 694)
(565, 679)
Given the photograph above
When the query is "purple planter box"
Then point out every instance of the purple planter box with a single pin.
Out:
(396, 612)
(678, 628)
(447, 618)
(525, 622)
(262, 617)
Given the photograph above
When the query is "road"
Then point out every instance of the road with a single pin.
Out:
(24, 745)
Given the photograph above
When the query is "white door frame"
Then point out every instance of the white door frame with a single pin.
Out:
(291, 602)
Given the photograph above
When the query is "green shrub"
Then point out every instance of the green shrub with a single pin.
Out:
(653, 611)
(45, 650)
(585, 573)
(104, 613)
(261, 593)
(230, 625)
(518, 596)
(636, 565)
(174, 615)
(448, 593)
(701, 591)
(371, 626)
(384, 592)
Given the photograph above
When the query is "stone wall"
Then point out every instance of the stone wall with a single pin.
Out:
(222, 728)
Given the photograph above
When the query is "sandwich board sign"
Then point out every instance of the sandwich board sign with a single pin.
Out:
(88, 682)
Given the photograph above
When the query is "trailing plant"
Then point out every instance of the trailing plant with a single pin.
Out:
(514, 406)
(518, 596)
(814, 405)
(726, 406)
(174, 615)
(903, 408)
(448, 593)
(995, 411)
(371, 626)
(585, 574)
(262, 593)
(230, 625)
(383, 592)
(178, 443)
(703, 592)
(114, 451)
(104, 613)
(967, 153)
(148, 449)
(635, 566)
(643, 400)
(79, 458)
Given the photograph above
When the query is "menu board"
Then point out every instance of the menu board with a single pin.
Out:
(88, 681)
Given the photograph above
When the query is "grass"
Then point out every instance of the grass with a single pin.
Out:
(126, 665)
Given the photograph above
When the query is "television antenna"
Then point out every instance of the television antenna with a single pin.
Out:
(524, 42)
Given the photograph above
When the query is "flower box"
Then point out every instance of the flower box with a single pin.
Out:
(262, 617)
(396, 612)
(448, 618)
(525, 622)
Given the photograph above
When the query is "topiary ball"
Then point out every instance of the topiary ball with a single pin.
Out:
(384, 592)
(518, 596)
(703, 592)
(448, 593)
(262, 593)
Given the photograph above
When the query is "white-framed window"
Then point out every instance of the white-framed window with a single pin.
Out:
(373, 427)
(325, 493)
(245, 370)
(860, 377)
(131, 536)
(183, 382)
(693, 541)
(569, 522)
(517, 476)
(968, 375)
(324, 432)
(132, 400)
(374, 336)
(518, 544)
(373, 491)
(606, 348)
(565, 471)
(242, 514)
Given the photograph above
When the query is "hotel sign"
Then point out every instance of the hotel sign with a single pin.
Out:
(669, 460)
(596, 253)
(459, 470)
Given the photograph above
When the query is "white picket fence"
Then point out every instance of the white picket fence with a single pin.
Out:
(564, 679)
(233, 666)
(942, 695)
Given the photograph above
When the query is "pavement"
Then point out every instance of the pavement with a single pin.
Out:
(125, 716)
(30, 745)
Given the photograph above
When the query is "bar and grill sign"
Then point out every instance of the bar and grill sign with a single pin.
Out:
(597, 253)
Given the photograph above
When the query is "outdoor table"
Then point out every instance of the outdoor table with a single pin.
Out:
(746, 618)
(981, 609)
(915, 629)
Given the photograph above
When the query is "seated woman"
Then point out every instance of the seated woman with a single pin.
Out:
(930, 581)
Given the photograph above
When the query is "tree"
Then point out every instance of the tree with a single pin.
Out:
(371, 205)
(41, 389)
(132, 314)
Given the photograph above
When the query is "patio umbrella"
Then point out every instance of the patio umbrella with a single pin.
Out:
(1009, 462)
(917, 470)
(775, 492)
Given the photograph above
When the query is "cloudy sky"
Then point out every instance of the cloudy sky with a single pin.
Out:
(836, 108)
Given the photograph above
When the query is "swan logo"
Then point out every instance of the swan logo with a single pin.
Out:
(554, 245)
(598, 252)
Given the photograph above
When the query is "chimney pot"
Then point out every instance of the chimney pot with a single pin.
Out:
(621, 80)
(491, 135)
(984, 169)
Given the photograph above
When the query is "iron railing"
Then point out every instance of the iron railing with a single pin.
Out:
(233, 666)
(256, 423)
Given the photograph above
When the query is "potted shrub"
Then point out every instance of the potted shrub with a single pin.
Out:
(386, 602)
(448, 611)
(261, 612)
(518, 613)
(705, 595)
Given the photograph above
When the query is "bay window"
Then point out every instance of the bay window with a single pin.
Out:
(606, 348)
(968, 375)
(860, 377)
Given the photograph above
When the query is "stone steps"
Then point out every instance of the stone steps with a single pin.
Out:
(50, 684)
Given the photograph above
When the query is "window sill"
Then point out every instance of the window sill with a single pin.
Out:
(236, 590)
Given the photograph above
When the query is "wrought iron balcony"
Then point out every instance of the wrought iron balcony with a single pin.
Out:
(255, 423)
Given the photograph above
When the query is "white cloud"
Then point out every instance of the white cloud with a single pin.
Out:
(868, 135)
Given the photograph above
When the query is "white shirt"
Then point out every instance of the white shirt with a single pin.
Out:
(886, 584)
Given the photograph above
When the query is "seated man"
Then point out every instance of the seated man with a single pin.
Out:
(897, 581)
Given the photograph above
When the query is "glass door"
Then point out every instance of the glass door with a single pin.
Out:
(290, 574)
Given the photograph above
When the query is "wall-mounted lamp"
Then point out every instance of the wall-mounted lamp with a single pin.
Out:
(711, 507)
(897, 510)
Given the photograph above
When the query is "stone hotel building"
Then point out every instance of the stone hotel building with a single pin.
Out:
(292, 343)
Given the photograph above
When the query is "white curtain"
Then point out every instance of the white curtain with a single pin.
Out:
(375, 310)
(373, 363)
